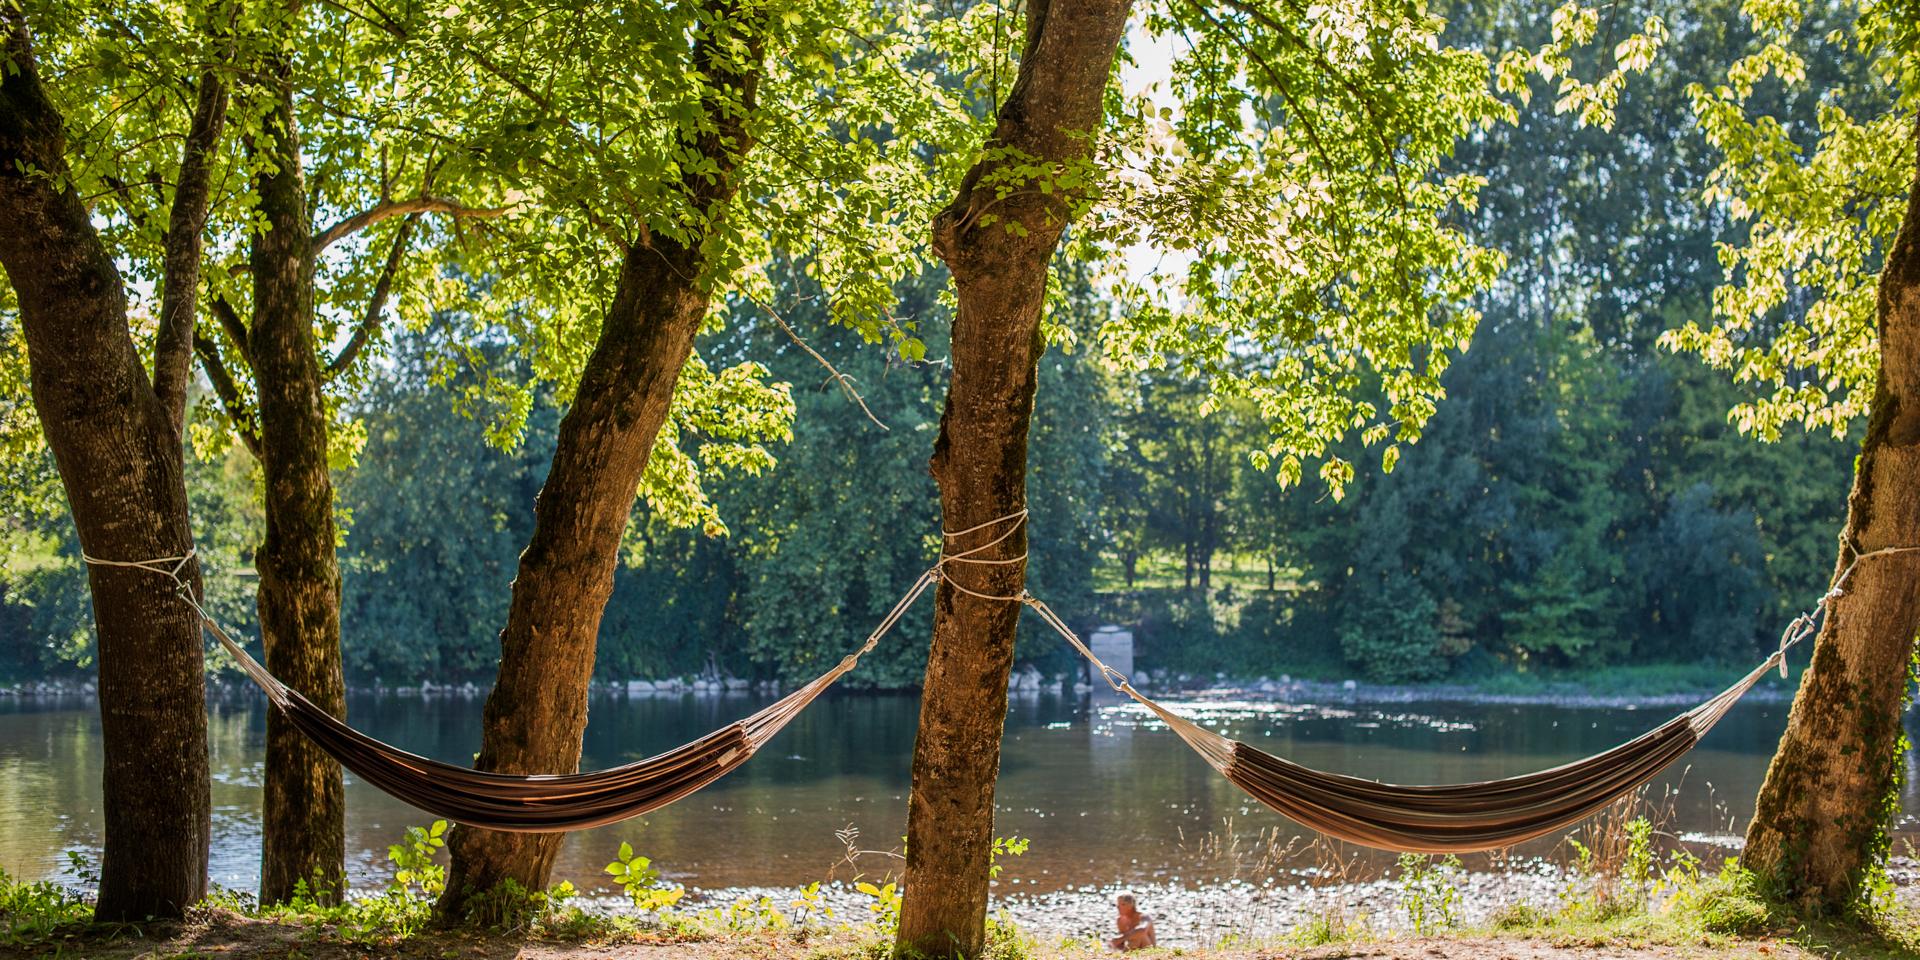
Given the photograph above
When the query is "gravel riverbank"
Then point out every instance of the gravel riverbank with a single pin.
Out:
(1233, 912)
(1192, 916)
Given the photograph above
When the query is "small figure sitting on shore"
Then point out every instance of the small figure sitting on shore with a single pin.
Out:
(1136, 928)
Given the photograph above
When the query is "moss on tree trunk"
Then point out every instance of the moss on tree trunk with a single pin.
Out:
(303, 820)
(1820, 823)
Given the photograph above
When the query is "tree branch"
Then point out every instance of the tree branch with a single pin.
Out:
(388, 209)
(180, 273)
(372, 319)
(1383, 146)
(228, 391)
(235, 329)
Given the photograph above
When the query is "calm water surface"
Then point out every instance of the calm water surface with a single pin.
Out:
(1105, 795)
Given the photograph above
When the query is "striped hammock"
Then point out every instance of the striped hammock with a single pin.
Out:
(1449, 818)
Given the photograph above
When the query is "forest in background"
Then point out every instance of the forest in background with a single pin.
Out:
(1579, 500)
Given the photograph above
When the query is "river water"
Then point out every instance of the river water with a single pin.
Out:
(1105, 795)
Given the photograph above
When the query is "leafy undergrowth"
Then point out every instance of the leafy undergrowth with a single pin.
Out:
(1625, 895)
(231, 936)
(1720, 912)
(219, 932)
(1624, 899)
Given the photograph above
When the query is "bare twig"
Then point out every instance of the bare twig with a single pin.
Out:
(834, 375)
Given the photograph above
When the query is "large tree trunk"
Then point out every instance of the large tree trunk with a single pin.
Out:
(1821, 820)
(303, 822)
(537, 711)
(980, 463)
(117, 442)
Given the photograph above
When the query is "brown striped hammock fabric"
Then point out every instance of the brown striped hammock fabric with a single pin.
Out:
(1450, 818)
(1442, 818)
(545, 803)
(1460, 817)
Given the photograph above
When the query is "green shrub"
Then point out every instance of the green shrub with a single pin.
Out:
(404, 908)
(1006, 941)
(1392, 631)
(884, 905)
(1727, 903)
(1328, 926)
(1520, 916)
(413, 862)
(34, 912)
(745, 915)
(641, 882)
(1429, 892)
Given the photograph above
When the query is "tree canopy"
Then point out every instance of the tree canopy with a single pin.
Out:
(480, 356)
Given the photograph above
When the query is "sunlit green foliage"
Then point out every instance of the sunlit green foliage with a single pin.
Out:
(640, 882)
(1324, 227)
(1291, 177)
(32, 491)
(1580, 499)
(1593, 102)
(1794, 321)
(585, 116)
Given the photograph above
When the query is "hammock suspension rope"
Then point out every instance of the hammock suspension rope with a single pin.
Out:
(1448, 818)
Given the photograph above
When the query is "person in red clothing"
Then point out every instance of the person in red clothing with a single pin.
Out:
(1136, 928)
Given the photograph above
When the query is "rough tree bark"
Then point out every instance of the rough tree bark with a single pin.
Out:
(980, 459)
(303, 820)
(536, 713)
(1821, 819)
(115, 434)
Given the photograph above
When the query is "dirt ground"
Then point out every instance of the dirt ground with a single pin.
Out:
(237, 938)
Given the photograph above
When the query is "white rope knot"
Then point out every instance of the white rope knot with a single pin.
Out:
(169, 567)
(1014, 521)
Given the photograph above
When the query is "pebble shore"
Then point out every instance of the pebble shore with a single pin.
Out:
(1231, 912)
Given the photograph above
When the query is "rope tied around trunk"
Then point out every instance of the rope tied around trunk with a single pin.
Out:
(172, 568)
(1015, 521)
(159, 565)
(1807, 624)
